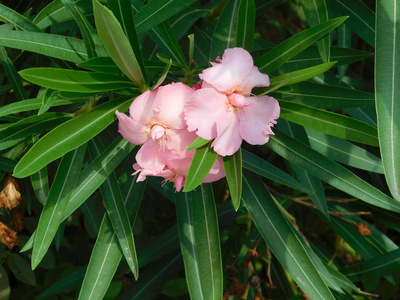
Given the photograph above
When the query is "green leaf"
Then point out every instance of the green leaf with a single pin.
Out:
(56, 13)
(20, 22)
(100, 64)
(246, 24)
(12, 75)
(328, 122)
(298, 76)
(4, 285)
(187, 242)
(48, 97)
(68, 136)
(312, 183)
(344, 151)
(202, 162)
(93, 176)
(224, 36)
(52, 45)
(32, 104)
(281, 238)
(123, 11)
(329, 171)
(75, 81)
(263, 168)
(67, 284)
(233, 171)
(317, 13)
(117, 213)
(172, 43)
(197, 143)
(117, 44)
(325, 96)
(294, 45)
(21, 269)
(387, 70)
(156, 276)
(158, 11)
(57, 200)
(361, 17)
(16, 132)
(376, 267)
(207, 242)
(40, 184)
(97, 171)
(310, 57)
(85, 27)
(7, 164)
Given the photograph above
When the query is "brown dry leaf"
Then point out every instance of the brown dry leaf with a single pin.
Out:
(10, 196)
(17, 220)
(363, 229)
(8, 236)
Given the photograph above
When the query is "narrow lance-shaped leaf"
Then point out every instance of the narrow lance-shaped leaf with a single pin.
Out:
(53, 45)
(117, 44)
(123, 11)
(172, 42)
(10, 16)
(12, 75)
(202, 162)
(224, 36)
(313, 184)
(294, 45)
(233, 171)
(328, 122)
(93, 176)
(68, 136)
(361, 17)
(246, 24)
(329, 171)
(298, 76)
(281, 239)
(157, 11)
(85, 27)
(207, 242)
(107, 254)
(387, 90)
(317, 13)
(117, 213)
(57, 200)
(75, 81)
(187, 241)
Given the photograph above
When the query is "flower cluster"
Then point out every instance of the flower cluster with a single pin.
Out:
(167, 120)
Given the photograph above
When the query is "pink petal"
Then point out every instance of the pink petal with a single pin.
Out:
(151, 158)
(256, 119)
(169, 103)
(235, 73)
(228, 139)
(157, 131)
(132, 131)
(217, 171)
(203, 110)
(141, 108)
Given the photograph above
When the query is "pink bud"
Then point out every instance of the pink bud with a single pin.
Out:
(157, 131)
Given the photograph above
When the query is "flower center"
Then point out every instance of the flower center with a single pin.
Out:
(157, 132)
(237, 100)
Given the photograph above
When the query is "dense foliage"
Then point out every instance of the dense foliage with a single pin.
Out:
(312, 213)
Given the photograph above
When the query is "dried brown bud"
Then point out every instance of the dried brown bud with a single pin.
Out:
(363, 229)
(10, 196)
(17, 220)
(8, 236)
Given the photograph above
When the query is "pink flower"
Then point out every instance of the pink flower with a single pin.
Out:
(156, 115)
(177, 169)
(156, 121)
(224, 110)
